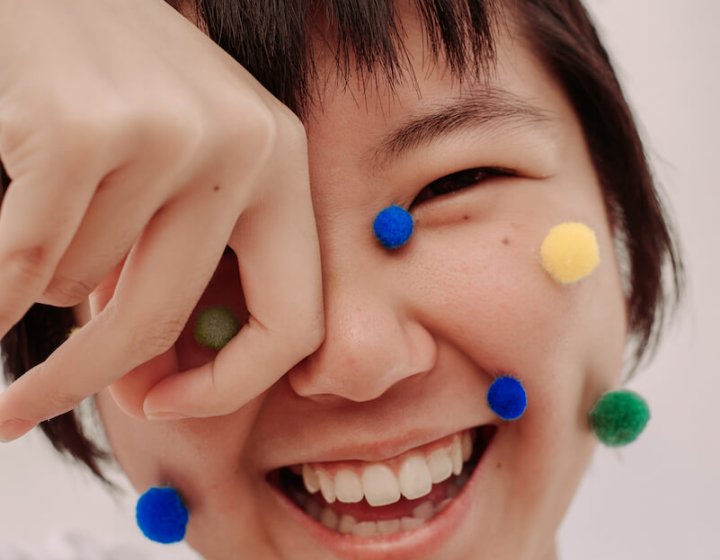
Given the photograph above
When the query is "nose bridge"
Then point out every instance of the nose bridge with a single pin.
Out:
(371, 341)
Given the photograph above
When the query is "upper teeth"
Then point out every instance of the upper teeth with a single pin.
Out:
(380, 484)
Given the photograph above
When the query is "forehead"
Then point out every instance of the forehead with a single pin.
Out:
(367, 121)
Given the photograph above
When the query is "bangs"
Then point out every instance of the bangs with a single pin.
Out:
(276, 40)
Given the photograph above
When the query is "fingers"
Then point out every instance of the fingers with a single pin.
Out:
(31, 248)
(164, 275)
(123, 205)
(279, 260)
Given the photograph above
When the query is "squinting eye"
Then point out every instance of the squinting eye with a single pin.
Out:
(460, 180)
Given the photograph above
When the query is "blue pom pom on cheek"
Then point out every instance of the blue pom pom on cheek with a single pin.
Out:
(162, 516)
(393, 226)
(507, 398)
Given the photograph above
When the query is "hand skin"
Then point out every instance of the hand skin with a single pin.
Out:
(138, 150)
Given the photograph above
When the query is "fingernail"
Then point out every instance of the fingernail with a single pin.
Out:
(164, 416)
(12, 429)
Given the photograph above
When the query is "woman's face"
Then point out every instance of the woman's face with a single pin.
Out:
(416, 336)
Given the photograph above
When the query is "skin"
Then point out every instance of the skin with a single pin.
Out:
(413, 334)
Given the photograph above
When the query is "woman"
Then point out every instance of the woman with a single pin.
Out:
(535, 134)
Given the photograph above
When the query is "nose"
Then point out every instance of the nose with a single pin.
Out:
(372, 342)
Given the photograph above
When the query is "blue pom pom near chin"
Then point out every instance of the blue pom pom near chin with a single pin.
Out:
(507, 398)
(162, 516)
(393, 226)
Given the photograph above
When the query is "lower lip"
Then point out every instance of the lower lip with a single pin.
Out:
(424, 540)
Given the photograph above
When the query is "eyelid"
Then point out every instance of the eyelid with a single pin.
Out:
(490, 172)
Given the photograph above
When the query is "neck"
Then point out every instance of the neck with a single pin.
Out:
(551, 554)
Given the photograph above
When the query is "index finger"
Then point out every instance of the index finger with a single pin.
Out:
(283, 289)
(278, 253)
(134, 327)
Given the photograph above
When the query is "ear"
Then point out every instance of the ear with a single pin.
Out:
(130, 390)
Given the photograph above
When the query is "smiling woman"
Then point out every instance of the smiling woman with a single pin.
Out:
(490, 123)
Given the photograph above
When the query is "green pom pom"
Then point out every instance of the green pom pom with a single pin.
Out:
(215, 326)
(619, 417)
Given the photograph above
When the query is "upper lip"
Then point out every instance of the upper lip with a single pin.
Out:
(376, 448)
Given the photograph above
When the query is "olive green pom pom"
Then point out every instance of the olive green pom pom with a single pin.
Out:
(215, 326)
(619, 417)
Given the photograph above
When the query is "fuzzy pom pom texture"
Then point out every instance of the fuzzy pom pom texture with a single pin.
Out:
(619, 417)
(506, 397)
(215, 327)
(162, 516)
(570, 252)
(393, 227)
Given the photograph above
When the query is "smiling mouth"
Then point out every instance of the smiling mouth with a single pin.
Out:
(366, 515)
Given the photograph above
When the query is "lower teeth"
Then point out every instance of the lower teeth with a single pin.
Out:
(347, 524)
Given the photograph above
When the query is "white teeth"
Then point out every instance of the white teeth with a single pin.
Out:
(456, 456)
(347, 522)
(327, 487)
(411, 477)
(414, 477)
(409, 523)
(310, 479)
(424, 511)
(440, 464)
(365, 529)
(442, 505)
(380, 485)
(467, 446)
(329, 518)
(388, 526)
(348, 488)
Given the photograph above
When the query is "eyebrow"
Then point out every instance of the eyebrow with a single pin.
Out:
(489, 109)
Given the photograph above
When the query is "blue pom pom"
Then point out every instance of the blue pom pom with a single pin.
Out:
(162, 516)
(393, 226)
(507, 398)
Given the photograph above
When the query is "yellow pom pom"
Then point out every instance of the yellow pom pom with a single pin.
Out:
(570, 252)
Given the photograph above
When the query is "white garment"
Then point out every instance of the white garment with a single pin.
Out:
(81, 546)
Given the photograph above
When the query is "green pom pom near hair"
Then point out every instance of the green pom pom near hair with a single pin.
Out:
(215, 327)
(619, 417)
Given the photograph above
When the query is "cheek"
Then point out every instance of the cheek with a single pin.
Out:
(482, 289)
(204, 459)
(194, 455)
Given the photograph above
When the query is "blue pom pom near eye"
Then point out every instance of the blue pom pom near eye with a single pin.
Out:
(162, 516)
(393, 226)
(507, 398)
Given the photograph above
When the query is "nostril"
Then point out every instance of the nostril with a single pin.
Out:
(360, 362)
(310, 385)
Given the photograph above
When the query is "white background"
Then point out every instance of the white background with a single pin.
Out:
(657, 499)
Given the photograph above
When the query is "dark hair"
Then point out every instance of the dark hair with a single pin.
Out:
(271, 40)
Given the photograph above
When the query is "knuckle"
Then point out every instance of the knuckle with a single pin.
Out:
(256, 128)
(149, 339)
(28, 265)
(293, 130)
(77, 134)
(64, 292)
(166, 132)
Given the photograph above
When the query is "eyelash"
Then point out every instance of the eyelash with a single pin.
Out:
(464, 178)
